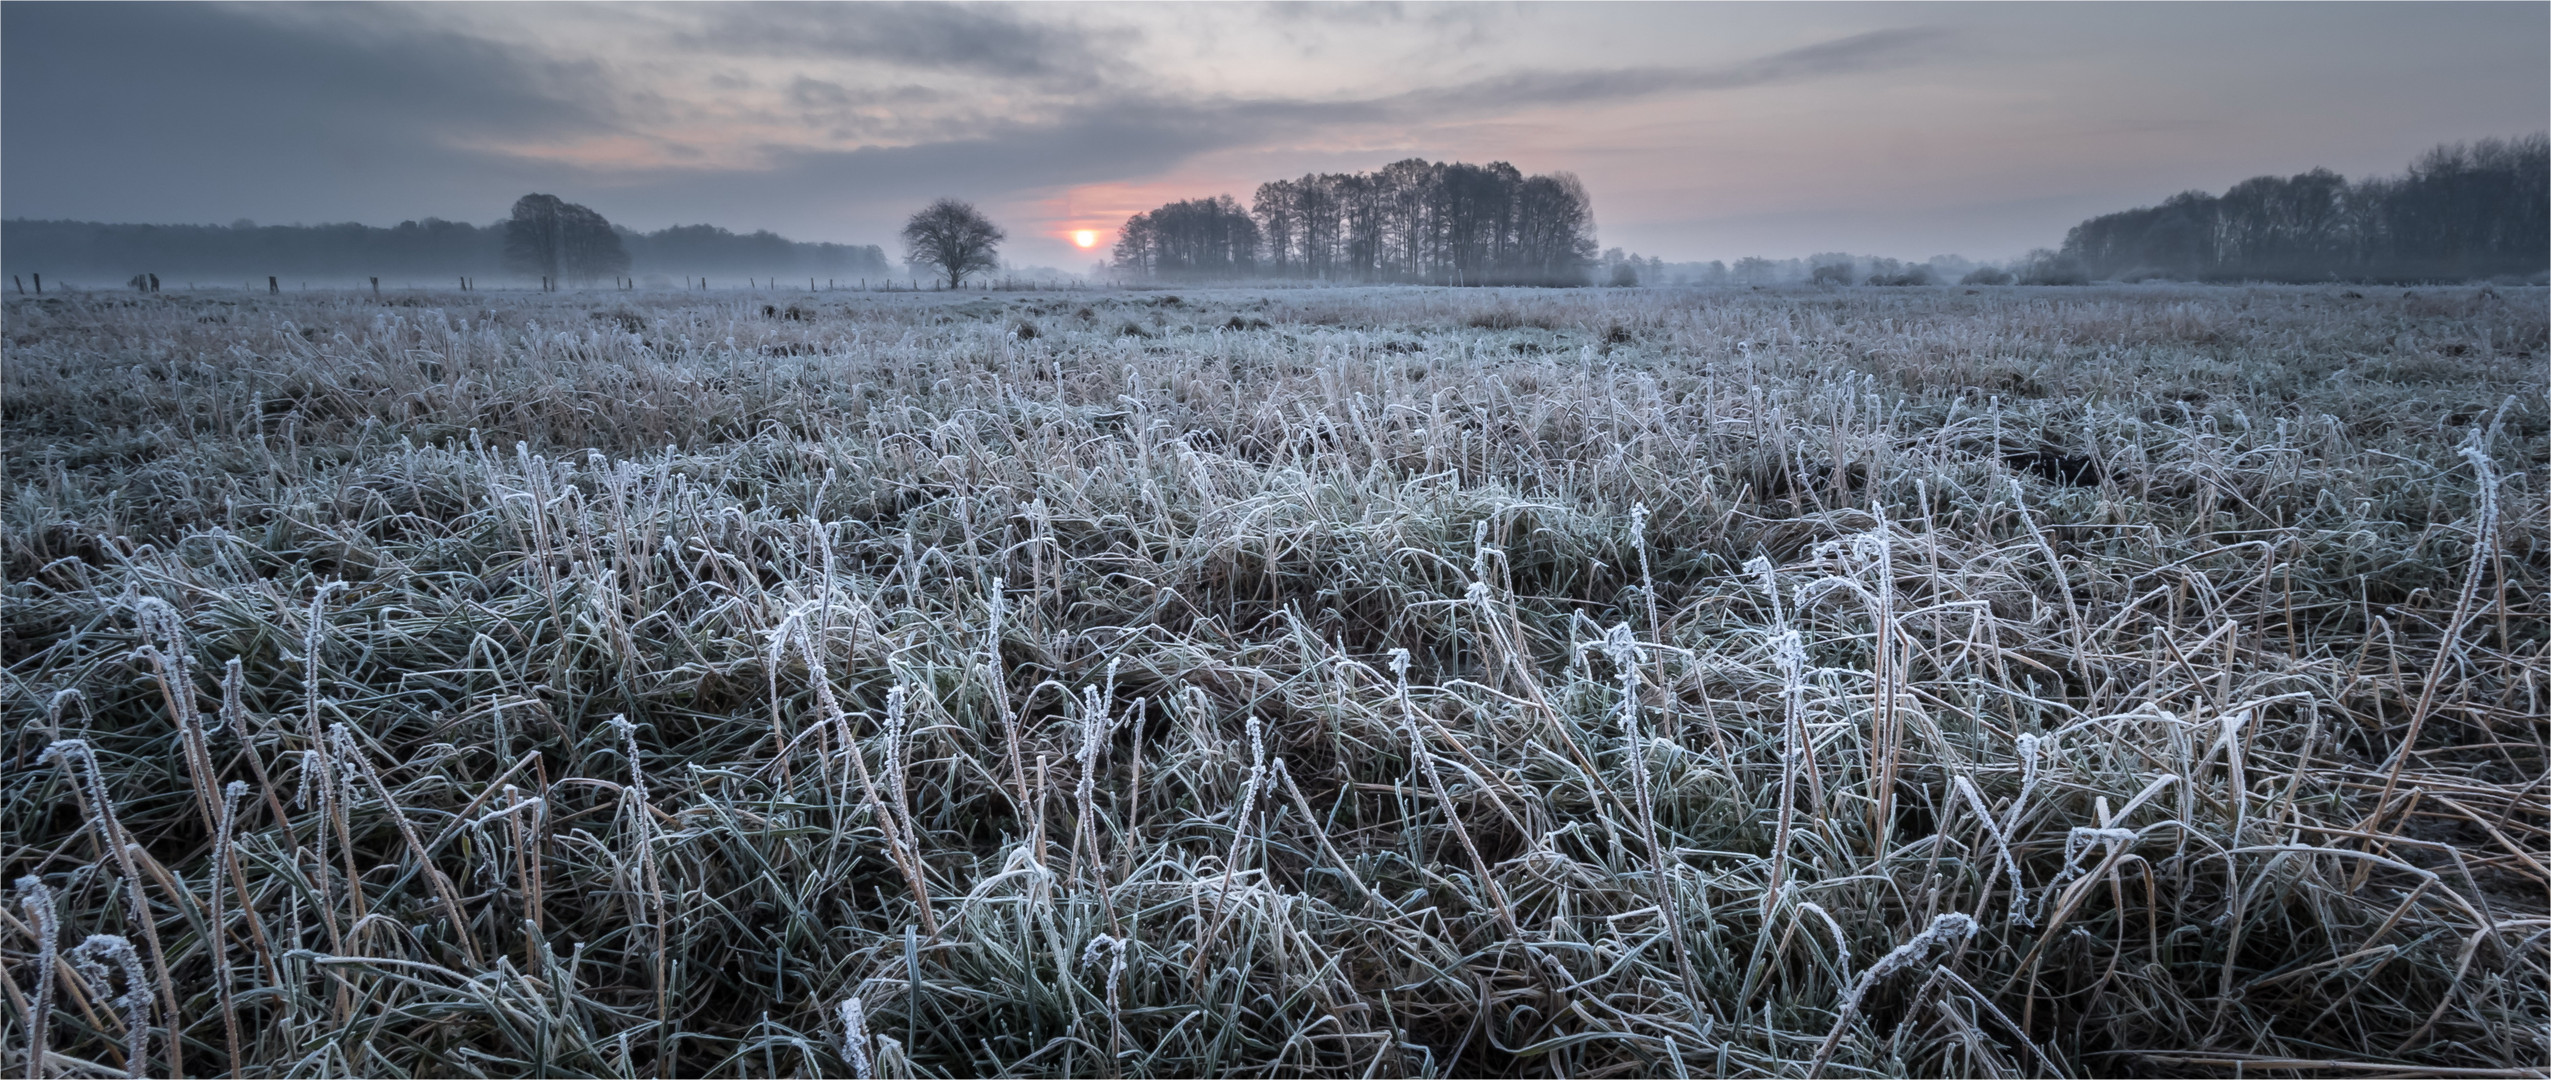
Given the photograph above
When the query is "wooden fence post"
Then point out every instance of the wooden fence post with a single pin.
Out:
(376, 286)
(273, 287)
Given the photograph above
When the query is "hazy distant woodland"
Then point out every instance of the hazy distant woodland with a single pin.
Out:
(1396, 681)
(432, 252)
(2460, 213)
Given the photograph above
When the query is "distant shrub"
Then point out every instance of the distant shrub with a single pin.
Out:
(1919, 275)
(1986, 275)
(1502, 317)
(1831, 274)
(2045, 267)
(1624, 276)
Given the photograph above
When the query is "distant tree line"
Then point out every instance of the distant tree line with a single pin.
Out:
(427, 249)
(707, 249)
(1825, 268)
(1411, 221)
(2460, 212)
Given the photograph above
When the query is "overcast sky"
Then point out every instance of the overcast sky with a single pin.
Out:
(1703, 131)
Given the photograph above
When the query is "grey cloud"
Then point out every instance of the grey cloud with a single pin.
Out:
(1086, 145)
(1199, 125)
(1857, 53)
(1445, 25)
(203, 112)
(963, 38)
(1366, 13)
(1116, 136)
(819, 97)
(1383, 13)
(1844, 55)
(816, 93)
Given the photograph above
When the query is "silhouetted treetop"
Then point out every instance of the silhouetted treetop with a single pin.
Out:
(1197, 238)
(1412, 220)
(2461, 211)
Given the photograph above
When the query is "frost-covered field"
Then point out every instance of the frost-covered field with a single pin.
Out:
(1338, 682)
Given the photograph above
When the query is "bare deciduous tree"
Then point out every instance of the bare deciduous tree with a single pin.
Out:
(953, 236)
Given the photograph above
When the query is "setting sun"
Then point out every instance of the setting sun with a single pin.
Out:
(1085, 238)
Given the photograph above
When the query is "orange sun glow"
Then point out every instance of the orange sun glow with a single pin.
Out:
(1085, 238)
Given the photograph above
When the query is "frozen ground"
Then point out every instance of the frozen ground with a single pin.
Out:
(1340, 682)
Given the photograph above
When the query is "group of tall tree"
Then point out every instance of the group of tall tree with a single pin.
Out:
(2460, 212)
(1411, 221)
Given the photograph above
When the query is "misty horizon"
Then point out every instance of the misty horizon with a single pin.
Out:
(2461, 211)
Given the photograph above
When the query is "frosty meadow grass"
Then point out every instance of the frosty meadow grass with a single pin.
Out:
(1338, 682)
